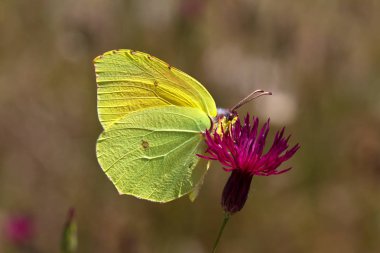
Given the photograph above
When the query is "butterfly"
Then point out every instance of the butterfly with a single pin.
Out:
(154, 117)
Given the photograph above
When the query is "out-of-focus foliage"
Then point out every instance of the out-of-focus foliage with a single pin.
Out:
(321, 60)
(69, 241)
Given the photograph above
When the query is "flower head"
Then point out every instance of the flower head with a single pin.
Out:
(240, 150)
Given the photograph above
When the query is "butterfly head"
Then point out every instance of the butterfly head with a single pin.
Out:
(227, 117)
(226, 114)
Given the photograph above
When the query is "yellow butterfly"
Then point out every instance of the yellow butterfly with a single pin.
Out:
(154, 117)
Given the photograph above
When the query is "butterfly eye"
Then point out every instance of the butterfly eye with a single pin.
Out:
(231, 116)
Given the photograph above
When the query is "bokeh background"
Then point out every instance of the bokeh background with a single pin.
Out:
(321, 60)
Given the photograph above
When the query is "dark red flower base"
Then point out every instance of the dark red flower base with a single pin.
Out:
(236, 191)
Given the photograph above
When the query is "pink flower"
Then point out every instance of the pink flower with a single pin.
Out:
(19, 229)
(240, 150)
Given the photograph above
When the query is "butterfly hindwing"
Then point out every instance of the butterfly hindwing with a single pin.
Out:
(151, 153)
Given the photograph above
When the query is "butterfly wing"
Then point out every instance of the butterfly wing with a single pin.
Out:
(129, 81)
(151, 153)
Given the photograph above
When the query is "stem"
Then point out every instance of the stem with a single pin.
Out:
(225, 220)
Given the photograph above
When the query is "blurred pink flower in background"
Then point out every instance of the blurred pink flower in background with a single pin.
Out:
(18, 229)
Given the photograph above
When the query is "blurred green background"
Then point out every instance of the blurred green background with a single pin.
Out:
(321, 60)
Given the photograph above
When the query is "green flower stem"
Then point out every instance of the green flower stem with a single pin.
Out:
(225, 220)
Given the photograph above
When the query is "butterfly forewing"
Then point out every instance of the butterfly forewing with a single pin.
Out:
(129, 81)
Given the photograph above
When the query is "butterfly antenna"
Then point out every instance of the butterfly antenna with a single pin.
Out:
(250, 97)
